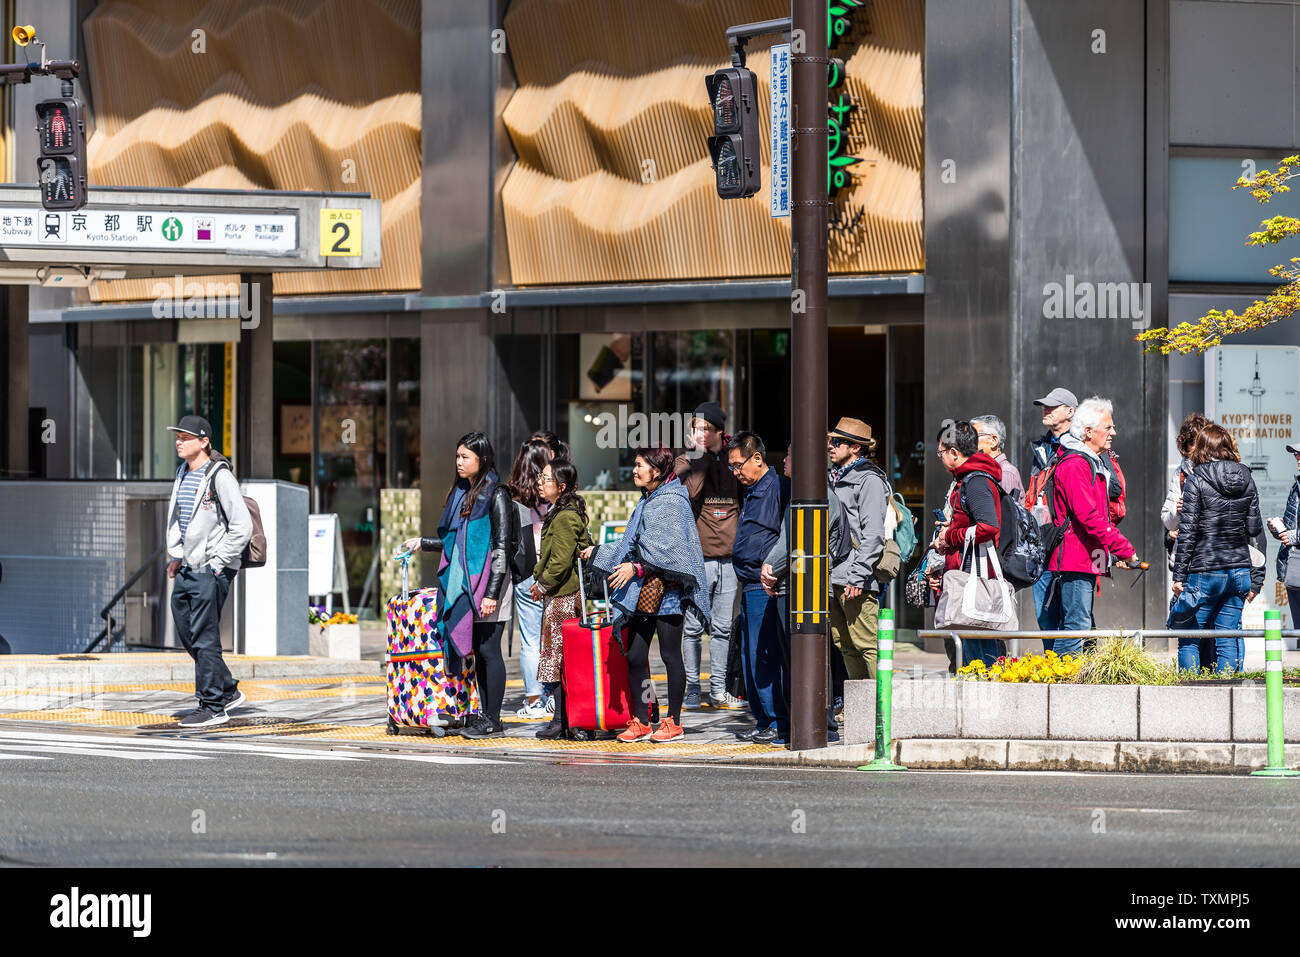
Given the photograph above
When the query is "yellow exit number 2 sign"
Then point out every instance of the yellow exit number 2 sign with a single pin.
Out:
(340, 232)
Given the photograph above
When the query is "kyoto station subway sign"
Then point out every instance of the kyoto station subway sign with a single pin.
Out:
(128, 233)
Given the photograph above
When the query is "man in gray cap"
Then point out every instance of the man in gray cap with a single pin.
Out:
(1058, 412)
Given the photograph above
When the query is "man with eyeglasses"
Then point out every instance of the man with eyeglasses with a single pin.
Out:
(763, 623)
(862, 490)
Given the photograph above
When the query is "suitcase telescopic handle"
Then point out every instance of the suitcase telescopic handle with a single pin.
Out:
(404, 558)
(582, 595)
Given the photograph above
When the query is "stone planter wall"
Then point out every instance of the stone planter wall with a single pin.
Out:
(336, 641)
(987, 710)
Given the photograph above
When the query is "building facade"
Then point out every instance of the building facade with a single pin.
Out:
(555, 255)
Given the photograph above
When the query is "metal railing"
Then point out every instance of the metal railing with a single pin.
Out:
(1136, 634)
(106, 613)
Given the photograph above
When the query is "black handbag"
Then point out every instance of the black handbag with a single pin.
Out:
(735, 665)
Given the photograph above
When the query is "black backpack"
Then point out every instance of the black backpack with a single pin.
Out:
(521, 548)
(1020, 547)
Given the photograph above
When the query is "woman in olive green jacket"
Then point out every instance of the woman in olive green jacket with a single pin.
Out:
(564, 535)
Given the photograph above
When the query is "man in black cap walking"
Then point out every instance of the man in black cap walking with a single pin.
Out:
(208, 526)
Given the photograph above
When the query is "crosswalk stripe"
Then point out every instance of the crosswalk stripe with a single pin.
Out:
(142, 748)
(105, 752)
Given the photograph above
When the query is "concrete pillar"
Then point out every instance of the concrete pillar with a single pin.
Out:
(14, 338)
(254, 382)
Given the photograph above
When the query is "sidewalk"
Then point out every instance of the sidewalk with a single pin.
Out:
(316, 699)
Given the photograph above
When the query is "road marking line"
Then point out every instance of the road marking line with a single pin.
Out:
(105, 752)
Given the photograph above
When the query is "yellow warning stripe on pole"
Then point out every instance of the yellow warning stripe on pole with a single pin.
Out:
(809, 567)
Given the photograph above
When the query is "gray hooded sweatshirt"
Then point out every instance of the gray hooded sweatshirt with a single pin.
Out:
(208, 541)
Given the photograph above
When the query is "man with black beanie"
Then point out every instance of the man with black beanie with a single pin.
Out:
(715, 499)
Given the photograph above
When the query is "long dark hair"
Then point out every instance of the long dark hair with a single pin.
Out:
(532, 458)
(477, 443)
(559, 448)
(565, 474)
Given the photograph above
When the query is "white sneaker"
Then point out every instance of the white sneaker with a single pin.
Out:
(533, 711)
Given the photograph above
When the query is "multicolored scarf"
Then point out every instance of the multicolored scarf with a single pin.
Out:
(837, 472)
(463, 569)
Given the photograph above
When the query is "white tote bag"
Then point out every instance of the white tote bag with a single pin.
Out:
(969, 600)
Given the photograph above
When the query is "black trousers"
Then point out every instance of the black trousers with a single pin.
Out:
(640, 630)
(197, 599)
(489, 666)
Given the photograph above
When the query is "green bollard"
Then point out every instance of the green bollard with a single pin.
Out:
(1276, 767)
(884, 694)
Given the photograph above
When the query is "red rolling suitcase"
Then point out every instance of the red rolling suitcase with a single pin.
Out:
(597, 692)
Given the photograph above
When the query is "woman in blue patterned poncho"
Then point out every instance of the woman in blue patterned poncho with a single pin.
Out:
(656, 569)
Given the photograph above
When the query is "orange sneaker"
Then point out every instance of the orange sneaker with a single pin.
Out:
(668, 731)
(636, 731)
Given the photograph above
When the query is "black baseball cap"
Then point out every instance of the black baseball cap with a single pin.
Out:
(194, 425)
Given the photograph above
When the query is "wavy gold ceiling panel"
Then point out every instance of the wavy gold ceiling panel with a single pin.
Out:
(613, 184)
(549, 39)
(274, 102)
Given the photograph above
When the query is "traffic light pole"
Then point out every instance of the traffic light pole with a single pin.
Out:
(809, 589)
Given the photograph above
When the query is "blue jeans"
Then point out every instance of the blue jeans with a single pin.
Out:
(766, 658)
(720, 582)
(529, 614)
(1212, 601)
(1069, 608)
(986, 649)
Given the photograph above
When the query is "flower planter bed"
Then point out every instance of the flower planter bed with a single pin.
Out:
(939, 708)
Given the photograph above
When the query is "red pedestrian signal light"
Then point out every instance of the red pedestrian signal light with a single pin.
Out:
(61, 168)
(735, 143)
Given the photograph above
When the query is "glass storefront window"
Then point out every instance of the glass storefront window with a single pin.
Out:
(352, 447)
(1209, 221)
(405, 467)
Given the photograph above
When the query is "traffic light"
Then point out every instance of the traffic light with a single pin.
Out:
(61, 169)
(734, 147)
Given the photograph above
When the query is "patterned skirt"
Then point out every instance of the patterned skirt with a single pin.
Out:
(550, 664)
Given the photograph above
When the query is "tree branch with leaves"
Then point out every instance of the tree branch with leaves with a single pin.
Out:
(1209, 330)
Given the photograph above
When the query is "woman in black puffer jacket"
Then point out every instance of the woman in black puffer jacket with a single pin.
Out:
(1214, 574)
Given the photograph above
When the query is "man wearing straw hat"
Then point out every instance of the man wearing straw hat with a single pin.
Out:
(863, 491)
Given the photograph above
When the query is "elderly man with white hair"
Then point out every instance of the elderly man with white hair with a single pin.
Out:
(1091, 542)
(993, 440)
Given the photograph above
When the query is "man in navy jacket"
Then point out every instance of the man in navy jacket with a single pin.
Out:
(763, 625)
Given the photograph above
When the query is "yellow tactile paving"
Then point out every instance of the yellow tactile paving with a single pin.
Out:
(272, 728)
(264, 688)
(112, 719)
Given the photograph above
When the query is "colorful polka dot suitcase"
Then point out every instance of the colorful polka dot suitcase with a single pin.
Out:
(422, 692)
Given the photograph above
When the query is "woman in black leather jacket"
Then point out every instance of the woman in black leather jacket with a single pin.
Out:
(1214, 570)
(475, 606)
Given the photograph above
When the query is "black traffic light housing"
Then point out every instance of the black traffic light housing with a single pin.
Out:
(735, 144)
(61, 169)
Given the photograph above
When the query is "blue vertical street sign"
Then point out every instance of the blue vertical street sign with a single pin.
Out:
(780, 94)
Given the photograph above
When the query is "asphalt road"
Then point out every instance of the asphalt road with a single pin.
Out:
(87, 799)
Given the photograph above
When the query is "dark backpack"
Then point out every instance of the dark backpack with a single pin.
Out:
(523, 550)
(1020, 546)
(254, 553)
